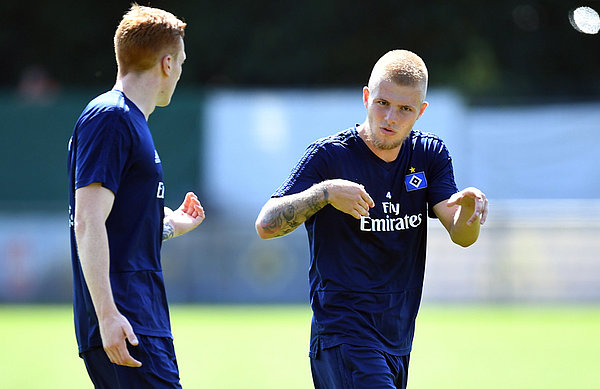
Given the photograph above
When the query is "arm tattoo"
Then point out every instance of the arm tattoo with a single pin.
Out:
(168, 231)
(286, 217)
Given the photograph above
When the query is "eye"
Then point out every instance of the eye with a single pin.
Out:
(382, 102)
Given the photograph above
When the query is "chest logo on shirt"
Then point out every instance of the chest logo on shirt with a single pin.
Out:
(393, 220)
(415, 181)
(156, 157)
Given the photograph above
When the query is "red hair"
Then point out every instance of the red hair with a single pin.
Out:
(144, 35)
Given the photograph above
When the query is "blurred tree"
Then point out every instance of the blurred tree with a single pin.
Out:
(491, 51)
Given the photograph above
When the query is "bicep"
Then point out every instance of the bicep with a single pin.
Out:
(93, 202)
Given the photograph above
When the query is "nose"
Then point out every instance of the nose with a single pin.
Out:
(391, 116)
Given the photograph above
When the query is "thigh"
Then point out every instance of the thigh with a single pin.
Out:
(370, 368)
(329, 371)
(159, 366)
(352, 367)
(102, 372)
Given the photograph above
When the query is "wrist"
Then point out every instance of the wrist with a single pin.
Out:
(107, 311)
(323, 193)
(168, 230)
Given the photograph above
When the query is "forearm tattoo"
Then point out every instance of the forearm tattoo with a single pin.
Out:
(168, 231)
(286, 217)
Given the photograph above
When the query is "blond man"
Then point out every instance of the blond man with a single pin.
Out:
(364, 196)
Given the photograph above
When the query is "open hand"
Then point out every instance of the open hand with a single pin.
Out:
(471, 197)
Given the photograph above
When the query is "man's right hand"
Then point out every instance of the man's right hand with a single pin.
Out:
(115, 331)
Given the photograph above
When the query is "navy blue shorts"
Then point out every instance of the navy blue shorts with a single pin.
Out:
(354, 367)
(159, 366)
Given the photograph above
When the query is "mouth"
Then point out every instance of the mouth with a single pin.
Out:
(387, 131)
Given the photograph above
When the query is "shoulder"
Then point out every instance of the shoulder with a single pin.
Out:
(111, 104)
(328, 147)
(110, 111)
(426, 141)
(323, 151)
(338, 141)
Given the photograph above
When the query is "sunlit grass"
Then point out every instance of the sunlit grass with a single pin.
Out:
(263, 347)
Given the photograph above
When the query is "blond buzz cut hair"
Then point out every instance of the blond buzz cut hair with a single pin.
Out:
(144, 35)
(402, 67)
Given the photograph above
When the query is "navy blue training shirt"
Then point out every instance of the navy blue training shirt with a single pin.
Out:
(366, 276)
(112, 144)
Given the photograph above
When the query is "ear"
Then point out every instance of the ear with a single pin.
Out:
(366, 93)
(166, 64)
(423, 106)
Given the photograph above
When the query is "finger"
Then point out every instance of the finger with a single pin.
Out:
(195, 206)
(361, 204)
(362, 208)
(131, 338)
(478, 211)
(195, 210)
(362, 211)
(368, 200)
(355, 214)
(191, 197)
(480, 204)
(454, 199)
(130, 361)
(185, 206)
(111, 355)
(127, 360)
(200, 212)
(119, 355)
(473, 217)
(192, 202)
(484, 213)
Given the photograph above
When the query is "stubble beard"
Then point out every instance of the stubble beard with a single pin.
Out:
(381, 144)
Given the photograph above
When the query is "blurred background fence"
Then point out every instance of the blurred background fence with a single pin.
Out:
(540, 172)
(515, 94)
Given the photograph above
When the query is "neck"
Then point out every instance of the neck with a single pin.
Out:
(139, 88)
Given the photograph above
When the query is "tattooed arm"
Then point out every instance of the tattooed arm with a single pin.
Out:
(282, 215)
(168, 231)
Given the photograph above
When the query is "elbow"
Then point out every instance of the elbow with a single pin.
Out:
(86, 226)
(265, 231)
(464, 240)
(464, 237)
(261, 231)
(79, 226)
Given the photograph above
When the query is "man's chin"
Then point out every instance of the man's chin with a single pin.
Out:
(389, 145)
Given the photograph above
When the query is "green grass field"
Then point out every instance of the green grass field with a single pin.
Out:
(263, 347)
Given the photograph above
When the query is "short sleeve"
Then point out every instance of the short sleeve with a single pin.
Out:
(103, 145)
(307, 172)
(442, 184)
